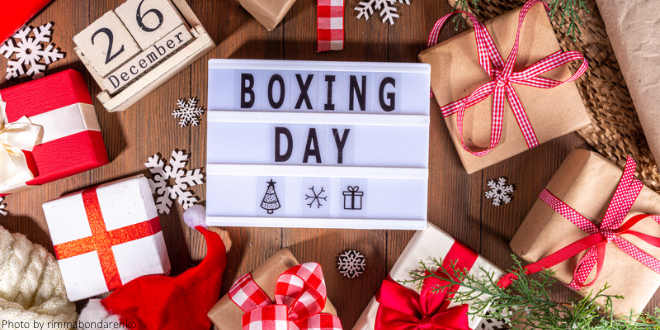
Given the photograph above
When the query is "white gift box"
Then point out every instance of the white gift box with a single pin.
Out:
(115, 224)
(424, 246)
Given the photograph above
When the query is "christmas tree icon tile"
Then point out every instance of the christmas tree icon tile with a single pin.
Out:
(270, 203)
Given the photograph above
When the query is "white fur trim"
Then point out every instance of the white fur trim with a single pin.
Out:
(195, 216)
(94, 315)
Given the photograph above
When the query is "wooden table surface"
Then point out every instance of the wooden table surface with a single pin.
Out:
(456, 200)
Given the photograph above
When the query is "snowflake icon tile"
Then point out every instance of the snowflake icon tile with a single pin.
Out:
(162, 175)
(27, 52)
(188, 112)
(351, 264)
(499, 192)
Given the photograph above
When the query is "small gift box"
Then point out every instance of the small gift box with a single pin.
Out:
(470, 85)
(394, 302)
(589, 226)
(48, 131)
(353, 198)
(267, 298)
(21, 13)
(106, 236)
(267, 12)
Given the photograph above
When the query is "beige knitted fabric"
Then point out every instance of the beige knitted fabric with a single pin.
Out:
(31, 287)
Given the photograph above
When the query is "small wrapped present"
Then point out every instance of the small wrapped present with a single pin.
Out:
(106, 236)
(21, 13)
(590, 227)
(48, 131)
(470, 84)
(249, 303)
(267, 12)
(394, 302)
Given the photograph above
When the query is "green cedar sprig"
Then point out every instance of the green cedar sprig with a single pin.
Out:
(526, 303)
(570, 13)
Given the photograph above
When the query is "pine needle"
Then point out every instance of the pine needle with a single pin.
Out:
(526, 304)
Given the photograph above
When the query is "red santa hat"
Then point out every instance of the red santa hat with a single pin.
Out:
(163, 302)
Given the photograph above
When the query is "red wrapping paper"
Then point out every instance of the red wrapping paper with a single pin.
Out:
(15, 14)
(65, 156)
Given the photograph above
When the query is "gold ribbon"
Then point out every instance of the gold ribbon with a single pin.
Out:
(14, 138)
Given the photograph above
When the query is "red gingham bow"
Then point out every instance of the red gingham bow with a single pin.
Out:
(610, 231)
(503, 77)
(299, 299)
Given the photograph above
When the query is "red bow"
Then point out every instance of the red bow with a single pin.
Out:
(299, 299)
(610, 231)
(503, 78)
(404, 309)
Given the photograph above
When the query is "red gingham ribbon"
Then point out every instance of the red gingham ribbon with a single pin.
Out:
(329, 25)
(299, 299)
(503, 77)
(610, 231)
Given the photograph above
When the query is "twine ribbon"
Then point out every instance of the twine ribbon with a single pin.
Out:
(503, 77)
(15, 138)
(596, 243)
(102, 239)
(404, 309)
(300, 296)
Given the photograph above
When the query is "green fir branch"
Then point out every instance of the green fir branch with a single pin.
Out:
(526, 303)
(570, 10)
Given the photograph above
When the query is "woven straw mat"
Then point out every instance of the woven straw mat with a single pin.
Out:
(615, 131)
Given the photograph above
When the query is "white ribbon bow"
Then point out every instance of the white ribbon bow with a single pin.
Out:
(14, 138)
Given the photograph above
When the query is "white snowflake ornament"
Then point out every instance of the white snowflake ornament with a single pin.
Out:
(388, 9)
(183, 179)
(189, 112)
(499, 191)
(24, 51)
(3, 207)
(351, 264)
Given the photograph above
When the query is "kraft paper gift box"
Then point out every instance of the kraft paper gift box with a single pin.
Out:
(106, 236)
(424, 246)
(267, 12)
(226, 315)
(632, 26)
(456, 73)
(69, 141)
(586, 182)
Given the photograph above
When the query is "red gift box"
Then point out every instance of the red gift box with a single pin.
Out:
(72, 142)
(17, 14)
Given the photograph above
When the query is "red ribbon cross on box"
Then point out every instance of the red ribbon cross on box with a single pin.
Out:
(503, 78)
(102, 240)
(596, 242)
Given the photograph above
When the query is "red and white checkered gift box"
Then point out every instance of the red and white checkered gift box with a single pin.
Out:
(106, 236)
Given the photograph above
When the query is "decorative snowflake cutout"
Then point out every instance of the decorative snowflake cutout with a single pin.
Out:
(183, 179)
(189, 112)
(351, 264)
(3, 207)
(24, 51)
(499, 191)
(388, 10)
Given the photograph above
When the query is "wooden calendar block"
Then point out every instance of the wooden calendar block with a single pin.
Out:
(106, 44)
(149, 20)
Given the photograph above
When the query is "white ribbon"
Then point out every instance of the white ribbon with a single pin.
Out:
(14, 138)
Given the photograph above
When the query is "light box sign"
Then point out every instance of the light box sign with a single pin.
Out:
(317, 144)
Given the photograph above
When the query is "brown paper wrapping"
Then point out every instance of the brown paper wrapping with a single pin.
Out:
(267, 12)
(456, 73)
(632, 27)
(586, 182)
(227, 316)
